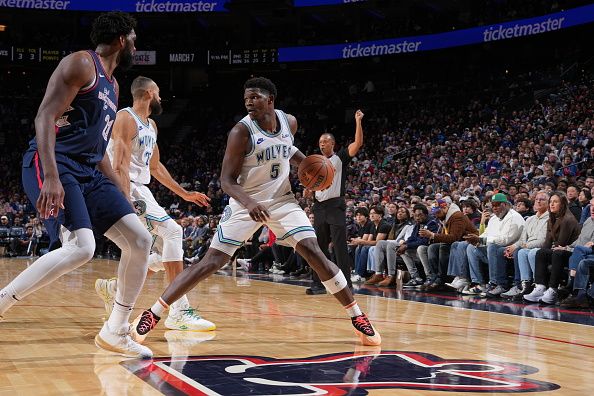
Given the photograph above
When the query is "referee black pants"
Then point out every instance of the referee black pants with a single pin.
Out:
(330, 226)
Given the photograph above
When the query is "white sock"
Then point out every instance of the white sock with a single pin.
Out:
(119, 318)
(159, 307)
(353, 309)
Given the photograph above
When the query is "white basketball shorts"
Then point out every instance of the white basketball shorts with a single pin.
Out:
(287, 220)
(145, 204)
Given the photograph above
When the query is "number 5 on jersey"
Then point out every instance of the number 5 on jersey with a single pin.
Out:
(274, 169)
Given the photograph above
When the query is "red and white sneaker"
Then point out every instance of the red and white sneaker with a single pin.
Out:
(364, 329)
(141, 326)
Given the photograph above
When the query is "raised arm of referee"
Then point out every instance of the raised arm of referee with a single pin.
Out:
(330, 206)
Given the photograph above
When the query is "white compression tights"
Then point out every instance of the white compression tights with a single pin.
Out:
(77, 248)
(135, 242)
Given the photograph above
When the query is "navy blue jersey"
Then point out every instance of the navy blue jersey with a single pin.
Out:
(84, 129)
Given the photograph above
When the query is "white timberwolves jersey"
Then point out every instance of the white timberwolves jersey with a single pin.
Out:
(143, 145)
(265, 172)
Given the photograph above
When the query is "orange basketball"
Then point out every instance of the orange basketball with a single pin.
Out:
(316, 172)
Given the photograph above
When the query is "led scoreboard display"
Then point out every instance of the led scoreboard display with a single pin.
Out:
(19, 54)
(262, 56)
(26, 54)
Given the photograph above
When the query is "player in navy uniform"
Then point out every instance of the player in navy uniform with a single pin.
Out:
(68, 177)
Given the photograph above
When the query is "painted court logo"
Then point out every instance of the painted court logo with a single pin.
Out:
(333, 374)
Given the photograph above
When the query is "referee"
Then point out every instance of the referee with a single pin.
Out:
(330, 206)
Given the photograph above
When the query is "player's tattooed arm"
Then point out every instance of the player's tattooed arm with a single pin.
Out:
(237, 146)
(72, 74)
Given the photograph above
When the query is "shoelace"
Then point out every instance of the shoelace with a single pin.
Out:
(192, 313)
(129, 343)
(362, 324)
(147, 323)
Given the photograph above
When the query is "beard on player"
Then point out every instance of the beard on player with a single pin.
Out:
(126, 58)
(155, 107)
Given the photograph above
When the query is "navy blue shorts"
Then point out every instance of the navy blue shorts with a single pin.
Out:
(91, 200)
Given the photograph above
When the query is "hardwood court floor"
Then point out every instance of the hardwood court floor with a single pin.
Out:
(46, 345)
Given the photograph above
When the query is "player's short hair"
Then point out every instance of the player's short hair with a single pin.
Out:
(111, 25)
(261, 83)
(331, 136)
(140, 85)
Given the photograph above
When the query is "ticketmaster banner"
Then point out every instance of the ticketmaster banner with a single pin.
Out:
(483, 34)
(309, 3)
(121, 5)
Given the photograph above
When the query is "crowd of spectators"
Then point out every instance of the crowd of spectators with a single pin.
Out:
(482, 162)
(424, 194)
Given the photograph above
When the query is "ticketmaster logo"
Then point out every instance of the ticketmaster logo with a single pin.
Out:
(378, 50)
(169, 6)
(36, 4)
(494, 33)
(108, 5)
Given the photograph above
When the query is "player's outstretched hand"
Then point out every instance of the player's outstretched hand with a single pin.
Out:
(307, 193)
(51, 198)
(359, 115)
(198, 198)
(258, 212)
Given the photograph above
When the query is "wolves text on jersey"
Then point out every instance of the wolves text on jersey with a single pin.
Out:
(147, 141)
(274, 152)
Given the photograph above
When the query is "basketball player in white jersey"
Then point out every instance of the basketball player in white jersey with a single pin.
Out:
(134, 156)
(255, 174)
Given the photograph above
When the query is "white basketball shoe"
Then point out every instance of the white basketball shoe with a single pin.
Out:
(121, 343)
(183, 317)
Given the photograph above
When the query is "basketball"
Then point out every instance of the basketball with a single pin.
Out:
(316, 172)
